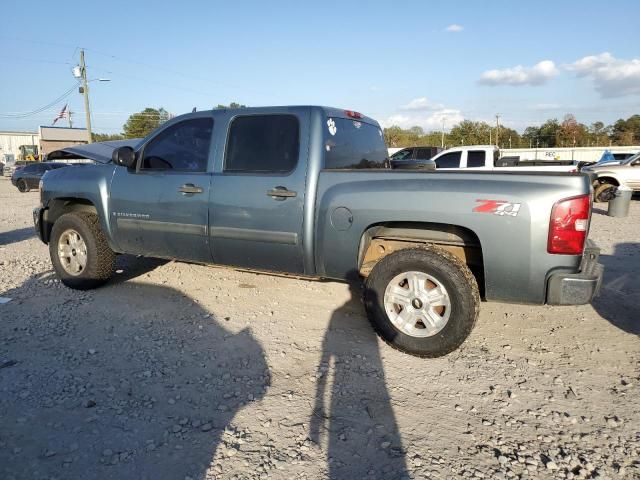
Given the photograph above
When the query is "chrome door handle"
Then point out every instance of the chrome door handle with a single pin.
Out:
(189, 189)
(281, 193)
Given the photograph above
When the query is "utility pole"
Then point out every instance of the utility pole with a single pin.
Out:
(497, 128)
(69, 113)
(442, 140)
(85, 91)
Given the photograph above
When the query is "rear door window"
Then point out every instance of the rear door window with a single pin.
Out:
(476, 159)
(352, 144)
(449, 160)
(424, 153)
(263, 144)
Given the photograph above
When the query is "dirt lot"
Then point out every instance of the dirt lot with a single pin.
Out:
(178, 371)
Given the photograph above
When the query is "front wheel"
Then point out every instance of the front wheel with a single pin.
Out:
(79, 251)
(422, 301)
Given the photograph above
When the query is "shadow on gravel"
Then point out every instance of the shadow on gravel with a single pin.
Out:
(15, 236)
(620, 292)
(359, 424)
(127, 381)
(129, 267)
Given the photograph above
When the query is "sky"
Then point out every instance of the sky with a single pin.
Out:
(406, 63)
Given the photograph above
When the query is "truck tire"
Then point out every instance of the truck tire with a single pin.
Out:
(422, 301)
(79, 251)
(22, 185)
(604, 192)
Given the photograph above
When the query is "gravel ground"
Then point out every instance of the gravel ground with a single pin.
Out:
(180, 371)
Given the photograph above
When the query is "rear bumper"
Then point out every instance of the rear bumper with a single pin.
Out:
(577, 288)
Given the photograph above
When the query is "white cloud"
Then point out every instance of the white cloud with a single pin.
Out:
(519, 75)
(612, 77)
(428, 121)
(420, 104)
(455, 28)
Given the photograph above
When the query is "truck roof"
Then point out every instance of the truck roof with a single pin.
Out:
(328, 111)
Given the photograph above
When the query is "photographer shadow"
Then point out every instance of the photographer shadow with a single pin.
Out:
(146, 384)
(353, 410)
(620, 291)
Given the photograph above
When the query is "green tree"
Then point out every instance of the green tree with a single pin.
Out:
(626, 132)
(547, 134)
(468, 132)
(142, 123)
(105, 137)
(232, 105)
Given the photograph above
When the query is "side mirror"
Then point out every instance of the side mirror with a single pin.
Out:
(124, 156)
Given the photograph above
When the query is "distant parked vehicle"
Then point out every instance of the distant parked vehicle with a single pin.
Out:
(609, 177)
(28, 176)
(414, 153)
(487, 157)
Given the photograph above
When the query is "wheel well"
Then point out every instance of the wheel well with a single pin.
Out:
(610, 180)
(59, 206)
(382, 239)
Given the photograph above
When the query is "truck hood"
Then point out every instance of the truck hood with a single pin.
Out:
(99, 151)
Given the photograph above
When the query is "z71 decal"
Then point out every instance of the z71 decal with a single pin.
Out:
(498, 207)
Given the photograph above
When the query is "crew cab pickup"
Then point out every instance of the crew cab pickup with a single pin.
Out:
(487, 157)
(308, 191)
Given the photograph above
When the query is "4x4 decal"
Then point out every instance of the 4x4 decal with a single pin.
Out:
(498, 207)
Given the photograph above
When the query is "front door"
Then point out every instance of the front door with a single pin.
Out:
(257, 200)
(161, 208)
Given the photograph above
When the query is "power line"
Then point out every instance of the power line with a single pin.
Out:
(41, 109)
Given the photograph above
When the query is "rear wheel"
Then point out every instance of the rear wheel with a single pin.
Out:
(79, 251)
(22, 185)
(604, 192)
(422, 301)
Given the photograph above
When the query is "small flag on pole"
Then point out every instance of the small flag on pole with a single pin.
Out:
(62, 114)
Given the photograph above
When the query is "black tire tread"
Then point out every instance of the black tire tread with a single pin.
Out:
(459, 265)
(101, 268)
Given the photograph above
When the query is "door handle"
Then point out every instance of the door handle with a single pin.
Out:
(189, 189)
(281, 193)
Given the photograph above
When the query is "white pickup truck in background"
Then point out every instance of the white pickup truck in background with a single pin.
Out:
(487, 157)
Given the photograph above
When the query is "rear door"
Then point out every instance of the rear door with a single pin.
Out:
(161, 208)
(257, 198)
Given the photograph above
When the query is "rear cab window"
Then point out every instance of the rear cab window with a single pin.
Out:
(476, 158)
(352, 144)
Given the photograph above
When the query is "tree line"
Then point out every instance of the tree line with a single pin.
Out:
(142, 123)
(551, 134)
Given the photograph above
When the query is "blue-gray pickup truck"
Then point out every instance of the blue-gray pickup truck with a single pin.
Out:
(308, 191)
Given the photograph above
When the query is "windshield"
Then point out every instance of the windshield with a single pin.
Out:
(631, 159)
(352, 144)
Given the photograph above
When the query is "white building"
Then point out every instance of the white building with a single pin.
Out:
(10, 142)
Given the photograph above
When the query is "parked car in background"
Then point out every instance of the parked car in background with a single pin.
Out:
(308, 191)
(487, 158)
(414, 153)
(608, 177)
(28, 176)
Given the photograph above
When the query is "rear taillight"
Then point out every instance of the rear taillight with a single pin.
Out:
(352, 114)
(569, 225)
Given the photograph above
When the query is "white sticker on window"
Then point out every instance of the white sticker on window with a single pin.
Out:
(357, 124)
(332, 126)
